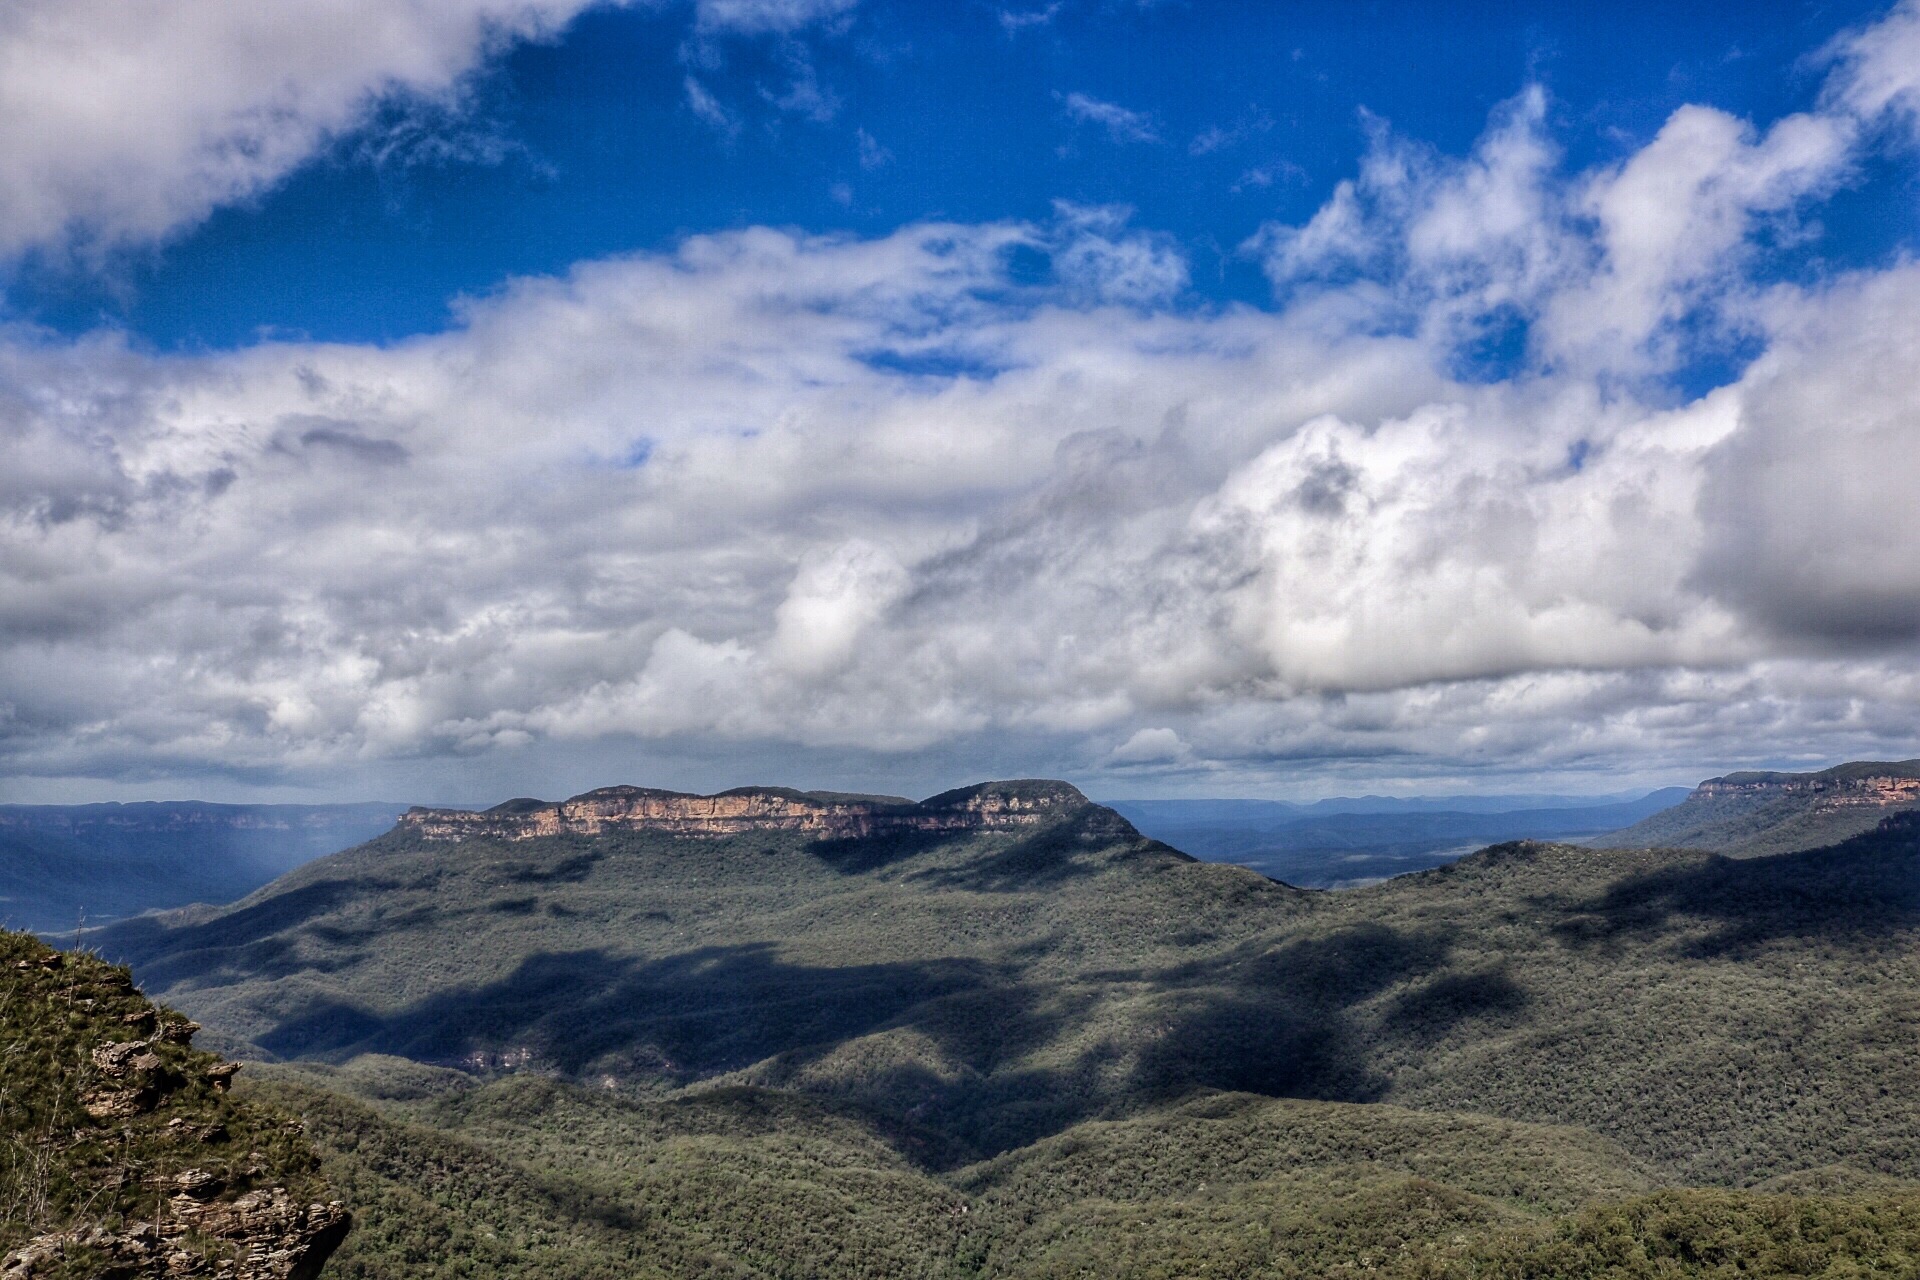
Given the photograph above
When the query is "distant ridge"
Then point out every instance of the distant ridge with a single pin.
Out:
(60, 864)
(990, 806)
(1752, 813)
(1337, 844)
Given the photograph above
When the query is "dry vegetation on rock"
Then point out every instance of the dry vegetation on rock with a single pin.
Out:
(122, 1152)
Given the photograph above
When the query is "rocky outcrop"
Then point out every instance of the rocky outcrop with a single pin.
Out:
(999, 806)
(1751, 814)
(122, 1150)
(262, 1235)
(1828, 790)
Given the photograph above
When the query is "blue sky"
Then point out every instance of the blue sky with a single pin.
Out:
(1218, 118)
(489, 397)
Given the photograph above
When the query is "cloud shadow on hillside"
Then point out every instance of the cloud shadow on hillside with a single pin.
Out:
(690, 1015)
(1276, 1020)
(1047, 856)
(258, 941)
(1864, 887)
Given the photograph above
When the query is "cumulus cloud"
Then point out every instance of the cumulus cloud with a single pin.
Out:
(1151, 747)
(1810, 506)
(126, 120)
(1599, 268)
(870, 498)
(1676, 217)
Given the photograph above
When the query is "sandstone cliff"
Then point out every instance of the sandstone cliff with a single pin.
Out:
(997, 806)
(1750, 814)
(1827, 790)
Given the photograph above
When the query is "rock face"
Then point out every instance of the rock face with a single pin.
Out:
(998, 806)
(262, 1235)
(1747, 814)
(122, 1150)
(1831, 789)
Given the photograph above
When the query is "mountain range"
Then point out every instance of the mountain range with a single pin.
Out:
(1002, 1033)
(1334, 844)
(62, 866)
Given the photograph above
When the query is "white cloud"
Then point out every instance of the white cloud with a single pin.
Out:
(789, 499)
(1121, 124)
(1265, 535)
(1096, 258)
(836, 596)
(1454, 238)
(1603, 266)
(125, 120)
(1150, 746)
(1675, 216)
(1335, 241)
(1811, 505)
(1878, 68)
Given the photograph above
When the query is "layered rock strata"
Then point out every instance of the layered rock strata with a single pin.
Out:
(1829, 790)
(1755, 814)
(825, 815)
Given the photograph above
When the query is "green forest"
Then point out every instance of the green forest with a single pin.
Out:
(1069, 1051)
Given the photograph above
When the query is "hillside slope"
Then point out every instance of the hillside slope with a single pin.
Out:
(754, 1182)
(977, 990)
(1751, 814)
(954, 971)
(121, 1151)
(527, 1177)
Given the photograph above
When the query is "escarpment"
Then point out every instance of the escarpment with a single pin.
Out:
(1866, 785)
(122, 1150)
(999, 806)
(1757, 813)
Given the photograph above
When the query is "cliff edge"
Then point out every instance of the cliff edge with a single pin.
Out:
(992, 806)
(1756, 813)
(122, 1151)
